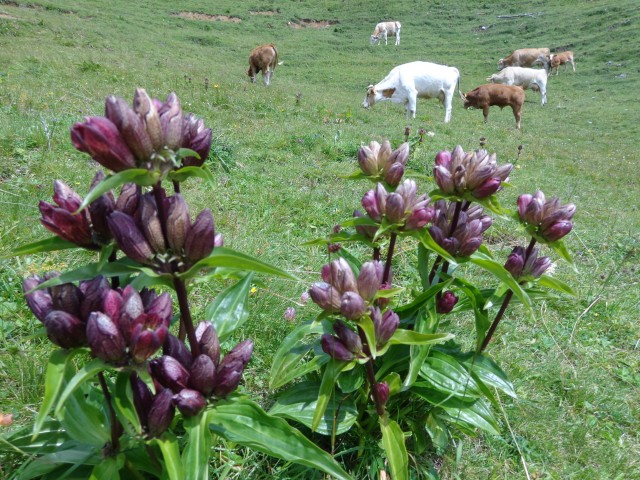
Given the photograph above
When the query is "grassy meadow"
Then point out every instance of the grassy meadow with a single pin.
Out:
(279, 156)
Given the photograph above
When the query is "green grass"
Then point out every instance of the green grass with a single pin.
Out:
(575, 366)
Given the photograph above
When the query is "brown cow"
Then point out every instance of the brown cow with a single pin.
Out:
(562, 59)
(526, 57)
(499, 95)
(265, 58)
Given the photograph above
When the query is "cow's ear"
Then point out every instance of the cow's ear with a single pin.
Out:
(388, 92)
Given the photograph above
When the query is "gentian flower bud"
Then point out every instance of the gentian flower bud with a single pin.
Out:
(229, 373)
(370, 279)
(93, 294)
(386, 326)
(105, 339)
(142, 399)
(370, 205)
(290, 314)
(200, 241)
(395, 208)
(197, 138)
(150, 223)
(178, 223)
(538, 266)
(161, 306)
(515, 262)
(325, 296)
(161, 413)
(348, 337)
(384, 155)
(111, 304)
(65, 329)
(174, 347)
(147, 336)
(99, 210)
(65, 197)
(100, 138)
(446, 302)
(72, 228)
(352, 306)
(368, 161)
(334, 347)
(171, 120)
(399, 156)
(38, 301)
(128, 199)
(129, 238)
(382, 390)
(489, 187)
(189, 402)
(208, 341)
(203, 374)
(170, 373)
(342, 277)
(145, 108)
(557, 230)
(394, 174)
(130, 126)
(419, 218)
(66, 297)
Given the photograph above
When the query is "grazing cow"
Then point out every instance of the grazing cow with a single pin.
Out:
(562, 59)
(405, 83)
(501, 96)
(384, 28)
(533, 78)
(265, 58)
(526, 57)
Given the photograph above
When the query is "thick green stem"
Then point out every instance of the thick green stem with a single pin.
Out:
(116, 426)
(371, 374)
(386, 278)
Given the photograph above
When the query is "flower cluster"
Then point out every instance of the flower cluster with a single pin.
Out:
(148, 135)
(523, 266)
(379, 162)
(402, 207)
(342, 292)
(466, 235)
(141, 237)
(477, 173)
(550, 219)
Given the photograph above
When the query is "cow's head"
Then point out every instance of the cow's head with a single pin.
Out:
(492, 78)
(501, 64)
(370, 97)
(374, 39)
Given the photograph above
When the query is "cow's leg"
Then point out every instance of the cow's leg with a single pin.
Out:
(543, 93)
(398, 37)
(253, 75)
(573, 64)
(485, 112)
(385, 38)
(518, 115)
(447, 108)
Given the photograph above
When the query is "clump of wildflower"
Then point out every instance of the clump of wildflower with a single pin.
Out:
(524, 267)
(466, 236)
(549, 218)
(380, 162)
(477, 173)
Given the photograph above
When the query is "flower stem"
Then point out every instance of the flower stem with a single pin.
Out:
(185, 315)
(116, 426)
(505, 303)
(371, 375)
(386, 278)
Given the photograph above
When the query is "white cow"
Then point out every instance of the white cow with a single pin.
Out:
(405, 83)
(386, 28)
(533, 78)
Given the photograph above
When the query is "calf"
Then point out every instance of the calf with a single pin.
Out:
(405, 83)
(383, 29)
(501, 96)
(562, 59)
(263, 58)
(526, 57)
(524, 77)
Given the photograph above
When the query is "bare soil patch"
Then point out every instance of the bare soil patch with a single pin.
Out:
(264, 12)
(309, 23)
(6, 16)
(207, 17)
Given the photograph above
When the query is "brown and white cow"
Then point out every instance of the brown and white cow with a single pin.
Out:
(562, 59)
(383, 29)
(263, 58)
(491, 94)
(526, 57)
(532, 78)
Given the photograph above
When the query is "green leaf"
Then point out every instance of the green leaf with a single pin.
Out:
(108, 468)
(51, 437)
(477, 301)
(555, 284)
(446, 374)
(226, 257)
(497, 270)
(299, 402)
(369, 329)
(287, 362)
(395, 449)
(192, 172)
(409, 337)
(418, 353)
(84, 421)
(485, 370)
(423, 265)
(244, 422)
(561, 249)
(72, 454)
(195, 457)
(229, 310)
(422, 299)
(351, 380)
(139, 176)
(123, 403)
(437, 430)
(50, 244)
(170, 449)
(89, 370)
(53, 382)
(331, 372)
(429, 243)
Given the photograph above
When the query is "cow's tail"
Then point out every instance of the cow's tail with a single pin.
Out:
(275, 50)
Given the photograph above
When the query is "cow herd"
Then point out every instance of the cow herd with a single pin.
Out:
(407, 82)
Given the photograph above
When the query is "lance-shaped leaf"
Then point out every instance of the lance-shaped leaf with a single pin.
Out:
(409, 337)
(329, 378)
(195, 456)
(51, 244)
(89, 370)
(229, 310)
(555, 284)
(395, 449)
(183, 173)
(244, 422)
(170, 449)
